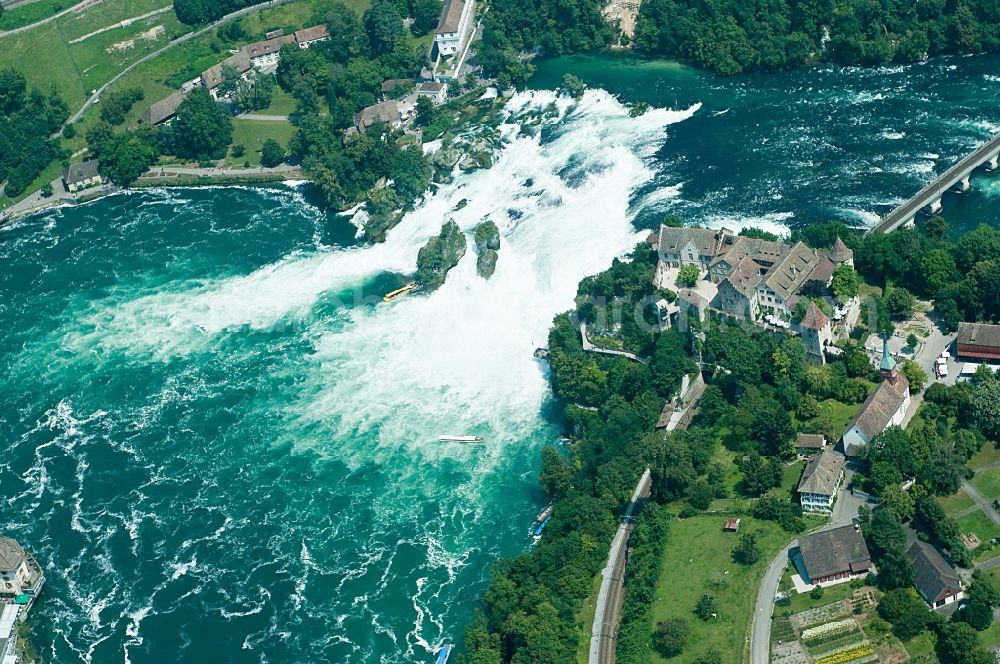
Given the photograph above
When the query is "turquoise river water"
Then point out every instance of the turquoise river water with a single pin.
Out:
(222, 445)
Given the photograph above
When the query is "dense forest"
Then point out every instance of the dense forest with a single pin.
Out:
(27, 120)
(735, 36)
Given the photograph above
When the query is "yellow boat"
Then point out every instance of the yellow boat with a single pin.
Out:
(399, 292)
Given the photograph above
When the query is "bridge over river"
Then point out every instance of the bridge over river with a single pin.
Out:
(930, 196)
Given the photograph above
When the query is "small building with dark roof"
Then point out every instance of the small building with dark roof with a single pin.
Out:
(809, 443)
(387, 112)
(82, 175)
(831, 556)
(436, 91)
(820, 481)
(840, 253)
(978, 341)
(935, 580)
(163, 110)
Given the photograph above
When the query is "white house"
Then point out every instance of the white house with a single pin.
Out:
(20, 574)
(885, 407)
(456, 18)
(436, 91)
(820, 481)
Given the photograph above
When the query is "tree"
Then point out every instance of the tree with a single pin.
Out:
(688, 275)
(957, 644)
(900, 303)
(425, 14)
(556, 474)
(747, 552)
(427, 112)
(845, 283)
(760, 474)
(707, 607)
(575, 86)
(713, 656)
(701, 495)
(977, 615)
(384, 26)
(906, 611)
(202, 128)
(985, 403)
(670, 636)
(915, 374)
(887, 542)
(271, 153)
(897, 501)
(817, 592)
(911, 340)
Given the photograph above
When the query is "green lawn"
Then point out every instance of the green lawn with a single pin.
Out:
(989, 454)
(922, 645)
(990, 636)
(993, 576)
(282, 103)
(956, 502)
(977, 522)
(988, 482)
(76, 69)
(252, 134)
(697, 548)
(36, 11)
(802, 601)
(833, 417)
(790, 476)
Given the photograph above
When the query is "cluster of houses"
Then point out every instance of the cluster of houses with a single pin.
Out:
(758, 280)
(259, 56)
(839, 555)
(21, 580)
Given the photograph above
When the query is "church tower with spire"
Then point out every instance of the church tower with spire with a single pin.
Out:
(888, 368)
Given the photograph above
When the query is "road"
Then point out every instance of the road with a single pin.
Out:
(183, 38)
(165, 171)
(760, 629)
(590, 347)
(75, 8)
(263, 118)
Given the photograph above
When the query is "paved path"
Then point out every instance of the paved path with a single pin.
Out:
(760, 628)
(981, 500)
(588, 346)
(264, 118)
(75, 8)
(166, 171)
(183, 38)
(121, 24)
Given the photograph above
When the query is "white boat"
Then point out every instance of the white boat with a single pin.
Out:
(460, 439)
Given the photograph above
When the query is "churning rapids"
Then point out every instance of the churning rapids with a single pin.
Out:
(223, 445)
(218, 444)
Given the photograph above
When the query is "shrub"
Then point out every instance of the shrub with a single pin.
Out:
(670, 636)
(817, 592)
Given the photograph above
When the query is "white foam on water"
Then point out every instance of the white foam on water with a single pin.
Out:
(774, 222)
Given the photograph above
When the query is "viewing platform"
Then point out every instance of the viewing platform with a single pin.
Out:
(930, 196)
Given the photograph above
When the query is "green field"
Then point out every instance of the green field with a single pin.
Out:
(988, 482)
(989, 454)
(977, 522)
(697, 548)
(251, 134)
(36, 11)
(76, 69)
(956, 502)
(922, 645)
